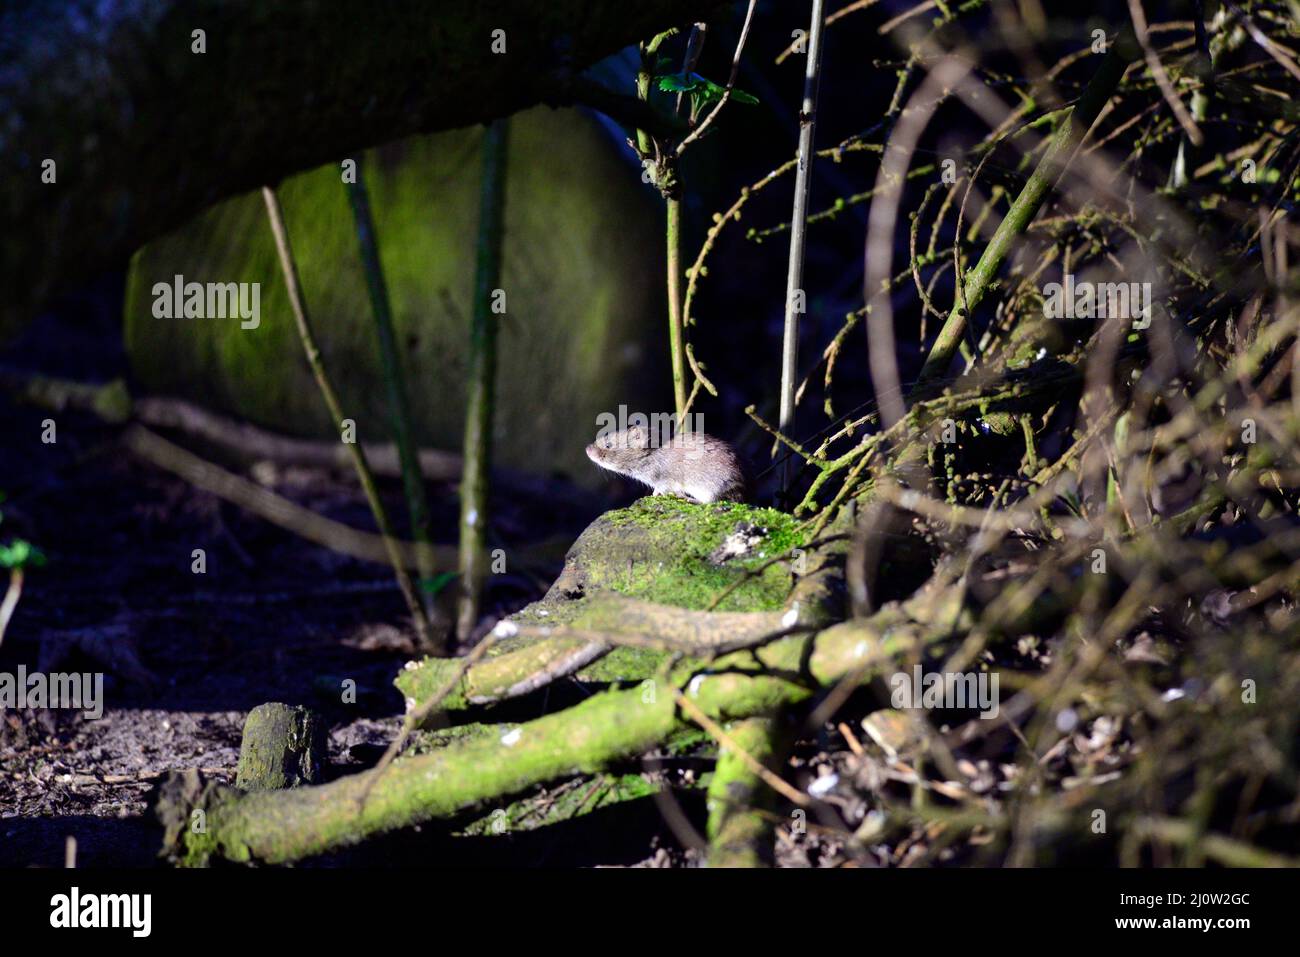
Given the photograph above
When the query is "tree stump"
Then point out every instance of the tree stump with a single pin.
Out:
(284, 746)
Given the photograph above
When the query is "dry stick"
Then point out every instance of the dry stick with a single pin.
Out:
(10, 603)
(276, 509)
(1274, 50)
(732, 214)
(907, 14)
(1203, 67)
(842, 12)
(795, 299)
(671, 810)
(691, 60)
(665, 178)
(417, 505)
(276, 216)
(112, 404)
(419, 715)
(1063, 143)
(720, 735)
(1161, 77)
(247, 440)
(879, 248)
(482, 380)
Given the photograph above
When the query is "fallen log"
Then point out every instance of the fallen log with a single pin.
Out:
(204, 822)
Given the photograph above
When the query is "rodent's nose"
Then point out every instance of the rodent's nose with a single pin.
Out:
(591, 452)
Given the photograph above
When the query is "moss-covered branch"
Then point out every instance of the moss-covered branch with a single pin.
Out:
(561, 636)
(739, 831)
(616, 725)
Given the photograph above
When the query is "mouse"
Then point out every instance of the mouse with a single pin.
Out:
(694, 465)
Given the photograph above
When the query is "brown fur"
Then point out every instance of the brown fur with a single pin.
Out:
(690, 464)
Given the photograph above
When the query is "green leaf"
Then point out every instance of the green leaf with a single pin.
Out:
(677, 82)
(698, 86)
(20, 554)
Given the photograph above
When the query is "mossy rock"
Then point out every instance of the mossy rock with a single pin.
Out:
(662, 550)
(582, 274)
(665, 549)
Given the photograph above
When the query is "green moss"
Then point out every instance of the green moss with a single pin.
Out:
(424, 742)
(715, 519)
(624, 664)
(658, 549)
(689, 741)
(112, 403)
(572, 800)
(199, 849)
(421, 680)
(671, 547)
(1001, 423)
(581, 254)
(695, 585)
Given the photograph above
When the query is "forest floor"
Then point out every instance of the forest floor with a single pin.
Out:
(185, 656)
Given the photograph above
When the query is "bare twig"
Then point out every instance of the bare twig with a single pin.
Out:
(305, 335)
(795, 295)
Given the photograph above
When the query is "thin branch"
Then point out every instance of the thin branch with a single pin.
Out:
(305, 335)
(719, 734)
(10, 603)
(481, 402)
(731, 83)
(417, 503)
(1161, 77)
(795, 296)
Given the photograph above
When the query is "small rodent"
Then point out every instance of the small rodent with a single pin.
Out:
(692, 464)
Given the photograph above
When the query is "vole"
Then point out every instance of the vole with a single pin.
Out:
(691, 464)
